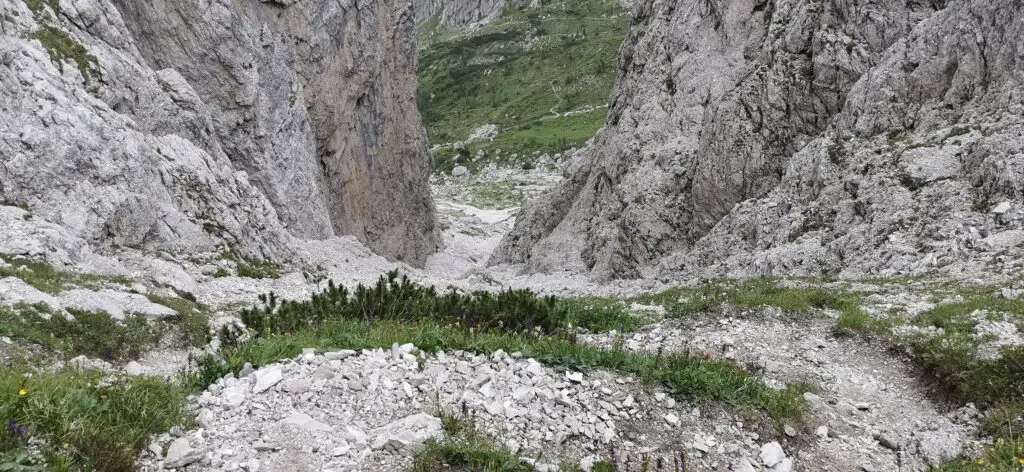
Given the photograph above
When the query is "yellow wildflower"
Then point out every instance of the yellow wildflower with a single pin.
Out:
(1020, 461)
(981, 461)
(22, 392)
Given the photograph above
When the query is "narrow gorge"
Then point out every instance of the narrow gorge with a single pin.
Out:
(512, 236)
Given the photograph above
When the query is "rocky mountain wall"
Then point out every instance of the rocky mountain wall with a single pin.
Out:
(775, 137)
(459, 14)
(188, 126)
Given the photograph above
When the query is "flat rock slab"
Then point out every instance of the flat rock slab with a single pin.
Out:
(303, 421)
(117, 304)
(14, 290)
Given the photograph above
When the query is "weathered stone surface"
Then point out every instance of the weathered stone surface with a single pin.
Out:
(771, 454)
(189, 126)
(266, 378)
(460, 13)
(303, 421)
(180, 454)
(753, 137)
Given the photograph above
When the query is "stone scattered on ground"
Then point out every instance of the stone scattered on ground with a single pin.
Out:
(372, 409)
(862, 388)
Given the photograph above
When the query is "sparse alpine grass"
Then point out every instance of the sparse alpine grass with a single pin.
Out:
(397, 310)
(465, 448)
(950, 359)
(686, 301)
(93, 334)
(251, 267)
(46, 278)
(80, 420)
(97, 335)
(190, 325)
(600, 314)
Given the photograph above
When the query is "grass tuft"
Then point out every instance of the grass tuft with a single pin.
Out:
(62, 48)
(82, 422)
(93, 334)
(252, 267)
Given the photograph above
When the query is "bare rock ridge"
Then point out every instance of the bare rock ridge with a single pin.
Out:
(183, 126)
(460, 14)
(788, 137)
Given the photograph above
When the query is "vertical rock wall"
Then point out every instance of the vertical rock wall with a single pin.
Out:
(245, 123)
(713, 100)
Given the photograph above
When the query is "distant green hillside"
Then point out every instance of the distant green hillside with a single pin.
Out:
(522, 73)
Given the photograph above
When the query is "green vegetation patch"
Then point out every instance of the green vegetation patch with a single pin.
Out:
(399, 299)
(600, 314)
(97, 335)
(62, 48)
(251, 267)
(38, 6)
(58, 44)
(685, 301)
(952, 357)
(93, 334)
(46, 278)
(465, 449)
(191, 322)
(492, 195)
(80, 421)
(397, 310)
(541, 75)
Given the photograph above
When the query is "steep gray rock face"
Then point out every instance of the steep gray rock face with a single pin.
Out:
(723, 102)
(185, 125)
(424, 9)
(459, 14)
(922, 171)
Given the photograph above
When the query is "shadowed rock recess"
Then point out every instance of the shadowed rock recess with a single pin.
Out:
(184, 125)
(788, 137)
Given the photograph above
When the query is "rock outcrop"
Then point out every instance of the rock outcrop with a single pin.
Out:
(770, 137)
(459, 14)
(189, 127)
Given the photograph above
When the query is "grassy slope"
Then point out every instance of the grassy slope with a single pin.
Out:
(517, 72)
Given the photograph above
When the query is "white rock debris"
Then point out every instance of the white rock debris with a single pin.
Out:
(373, 409)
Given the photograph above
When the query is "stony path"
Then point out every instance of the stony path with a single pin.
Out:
(870, 404)
(368, 410)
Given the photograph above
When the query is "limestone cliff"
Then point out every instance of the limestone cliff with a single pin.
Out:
(460, 14)
(798, 137)
(188, 125)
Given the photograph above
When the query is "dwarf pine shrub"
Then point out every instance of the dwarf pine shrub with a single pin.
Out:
(395, 298)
